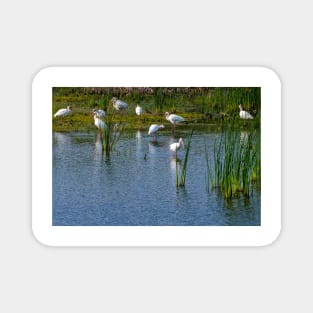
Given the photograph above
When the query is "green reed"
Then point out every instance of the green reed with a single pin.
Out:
(177, 174)
(111, 133)
(158, 97)
(181, 175)
(236, 162)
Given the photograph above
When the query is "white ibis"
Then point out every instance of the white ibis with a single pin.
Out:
(176, 145)
(99, 123)
(119, 105)
(138, 110)
(153, 129)
(63, 112)
(173, 118)
(99, 112)
(244, 114)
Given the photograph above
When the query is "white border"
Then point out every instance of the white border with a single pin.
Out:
(156, 235)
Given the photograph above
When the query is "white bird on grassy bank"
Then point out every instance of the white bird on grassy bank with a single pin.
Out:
(244, 114)
(173, 118)
(138, 110)
(119, 105)
(63, 112)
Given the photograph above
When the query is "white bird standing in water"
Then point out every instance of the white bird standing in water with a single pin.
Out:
(99, 112)
(244, 114)
(99, 123)
(63, 112)
(153, 129)
(173, 118)
(176, 145)
(138, 110)
(119, 105)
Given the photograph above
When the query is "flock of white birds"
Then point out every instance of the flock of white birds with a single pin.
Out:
(120, 105)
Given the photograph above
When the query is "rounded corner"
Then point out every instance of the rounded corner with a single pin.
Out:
(274, 238)
(38, 239)
(272, 74)
(42, 72)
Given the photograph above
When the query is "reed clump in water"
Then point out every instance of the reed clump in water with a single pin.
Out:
(236, 163)
(181, 174)
(111, 133)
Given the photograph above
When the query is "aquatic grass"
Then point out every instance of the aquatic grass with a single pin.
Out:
(181, 175)
(209, 178)
(111, 134)
(177, 174)
(236, 163)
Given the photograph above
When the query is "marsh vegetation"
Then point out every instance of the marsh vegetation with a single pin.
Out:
(236, 165)
(199, 106)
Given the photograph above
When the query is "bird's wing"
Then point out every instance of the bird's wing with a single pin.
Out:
(177, 117)
(61, 111)
(153, 128)
(121, 103)
(173, 146)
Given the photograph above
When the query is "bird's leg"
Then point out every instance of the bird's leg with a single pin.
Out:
(101, 135)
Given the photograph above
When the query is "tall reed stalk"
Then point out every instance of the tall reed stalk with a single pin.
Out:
(181, 175)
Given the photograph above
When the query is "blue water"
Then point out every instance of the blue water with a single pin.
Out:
(131, 189)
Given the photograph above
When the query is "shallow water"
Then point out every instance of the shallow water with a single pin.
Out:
(137, 186)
